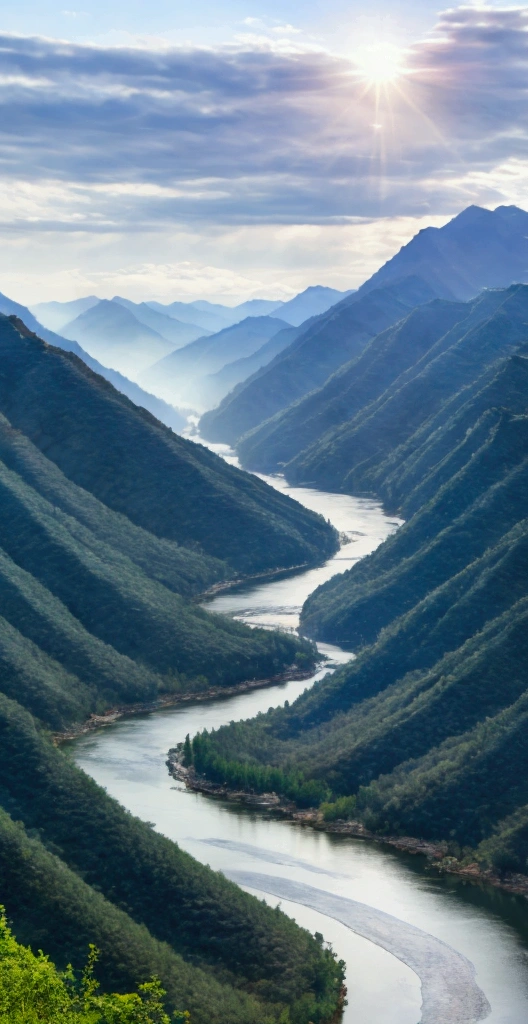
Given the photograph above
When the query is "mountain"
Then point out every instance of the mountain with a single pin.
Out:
(353, 456)
(253, 307)
(478, 249)
(316, 437)
(321, 348)
(216, 385)
(313, 301)
(161, 410)
(174, 488)
(112, 334)
(179, 376)
(8, 307)
(210, 318)
(175, 331)
(423, 733)
(54, 315)
(352, 388)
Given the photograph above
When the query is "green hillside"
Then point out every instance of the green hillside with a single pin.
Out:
(423, 733)
(278, 440)
(327, 342)
(353, 456)
(76, 868)
(96, 608)
(169, 486)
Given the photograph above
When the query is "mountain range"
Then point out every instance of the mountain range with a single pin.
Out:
(112, 334)
(323, 344)
(183, 375)
(478, 249)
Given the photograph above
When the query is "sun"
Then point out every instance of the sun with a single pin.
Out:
(379, 63)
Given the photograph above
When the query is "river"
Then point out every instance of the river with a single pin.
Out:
(418, 948)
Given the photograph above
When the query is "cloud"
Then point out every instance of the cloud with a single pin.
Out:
(138, 138)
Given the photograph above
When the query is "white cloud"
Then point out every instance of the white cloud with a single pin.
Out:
(155, 148)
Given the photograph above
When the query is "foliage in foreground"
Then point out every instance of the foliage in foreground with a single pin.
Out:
(32, 990)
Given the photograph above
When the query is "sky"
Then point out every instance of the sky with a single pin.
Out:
(230, 150)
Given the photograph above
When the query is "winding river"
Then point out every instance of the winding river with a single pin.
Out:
(418, 948)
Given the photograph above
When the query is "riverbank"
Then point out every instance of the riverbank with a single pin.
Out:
(436, 853)
(169, 700)
(262, 577)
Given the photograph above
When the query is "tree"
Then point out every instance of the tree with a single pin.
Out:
(33, 991)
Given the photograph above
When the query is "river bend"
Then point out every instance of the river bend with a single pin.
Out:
(418, 948)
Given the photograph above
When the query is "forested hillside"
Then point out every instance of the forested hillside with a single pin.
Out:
(356, 455)
(322, 347)
(423, 733)
(177, 490)
(96, 609)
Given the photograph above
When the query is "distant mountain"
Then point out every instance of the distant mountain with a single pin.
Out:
(8, 307)
(322, 347)
(478, 249)
(113, 335)
(355, 456)
(54, 315)
(179, 376)
(257, 307)
(161, 410)
(175, 331)
(313, 301)
(206, 315)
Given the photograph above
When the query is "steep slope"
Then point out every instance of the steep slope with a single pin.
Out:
(327, 342)
(351, 457)
(112, 334)
(54, 315)
(92, 609)
(477, 249)
(175, 331)
(129, 461)
(278, 440)
(179, 376)
(90, 871)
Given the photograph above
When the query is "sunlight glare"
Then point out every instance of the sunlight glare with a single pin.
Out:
(379, 63)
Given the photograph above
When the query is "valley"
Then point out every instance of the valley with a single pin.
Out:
(340, 631)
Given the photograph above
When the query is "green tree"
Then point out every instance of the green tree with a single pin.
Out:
(33, 991)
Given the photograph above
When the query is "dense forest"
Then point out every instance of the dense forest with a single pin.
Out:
(424, 732)
(95, 608)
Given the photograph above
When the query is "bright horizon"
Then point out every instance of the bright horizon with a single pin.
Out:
(177, 154)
